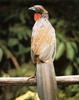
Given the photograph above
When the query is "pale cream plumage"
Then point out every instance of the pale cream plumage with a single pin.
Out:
(43, 43)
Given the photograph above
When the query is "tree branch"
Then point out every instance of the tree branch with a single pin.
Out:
(9, 54)
(72, 79)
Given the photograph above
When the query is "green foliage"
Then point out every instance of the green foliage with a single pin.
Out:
(13, 42)
(24, 70)
(1, 54)
(20, 30)
(68, 70)
(70, 51)
(60, 50)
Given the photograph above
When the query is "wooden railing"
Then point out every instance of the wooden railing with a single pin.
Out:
(72, 79)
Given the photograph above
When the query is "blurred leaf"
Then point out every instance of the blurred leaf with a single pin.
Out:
(70, 53)
(72, 98)
(22, 17)
(12, 42)
(21, 30)
(62, 94)
(58, 42)
(69, 70)
(74, 45)
(1, 54)
(53, 20)
(6, 51)
(28, 96)
(29, 31)
(61, 36)
(60, 50)
(77, 59)
(23, 50)
(77, 96)
(73, 88)
(25, 70)
(60, 24)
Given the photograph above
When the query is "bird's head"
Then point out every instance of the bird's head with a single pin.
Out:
(39, 11)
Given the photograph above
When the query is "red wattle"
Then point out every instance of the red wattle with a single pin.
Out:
(37, 16)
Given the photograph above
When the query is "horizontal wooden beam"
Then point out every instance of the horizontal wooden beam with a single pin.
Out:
(71, 79)
(31, 81)
(17, 81)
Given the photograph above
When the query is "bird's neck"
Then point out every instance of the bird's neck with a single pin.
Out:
(37, 16)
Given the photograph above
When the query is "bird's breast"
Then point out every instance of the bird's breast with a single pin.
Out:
(40, 37)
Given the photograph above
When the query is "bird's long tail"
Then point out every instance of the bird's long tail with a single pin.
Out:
(46, 82)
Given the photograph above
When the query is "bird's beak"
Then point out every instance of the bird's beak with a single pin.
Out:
(32, 8)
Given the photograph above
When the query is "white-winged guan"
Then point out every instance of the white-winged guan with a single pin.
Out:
(43, 48)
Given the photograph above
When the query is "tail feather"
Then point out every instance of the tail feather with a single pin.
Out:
(46, 82)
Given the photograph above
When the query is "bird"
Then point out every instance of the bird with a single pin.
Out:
(43, 50)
